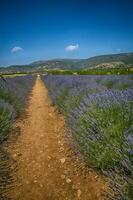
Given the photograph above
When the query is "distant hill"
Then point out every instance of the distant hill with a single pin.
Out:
(123, 60)
(117, 60)
(57, 64)
(17, 68)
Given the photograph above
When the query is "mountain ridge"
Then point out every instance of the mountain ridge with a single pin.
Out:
(122, 60)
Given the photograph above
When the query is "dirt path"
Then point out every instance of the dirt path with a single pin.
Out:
(47, 168)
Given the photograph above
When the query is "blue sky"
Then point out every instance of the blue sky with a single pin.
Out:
(39, 30)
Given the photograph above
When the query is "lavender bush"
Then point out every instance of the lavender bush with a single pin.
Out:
(99, 113)
(13, 96)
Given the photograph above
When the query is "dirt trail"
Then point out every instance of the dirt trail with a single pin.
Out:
(47, 168)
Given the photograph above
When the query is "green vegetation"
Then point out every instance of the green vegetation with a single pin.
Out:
(106, 61)
(124, 71)
(99, 114)
(83, 66)
(13, 95)
(12, 99)
(111, 123)
(5, 122)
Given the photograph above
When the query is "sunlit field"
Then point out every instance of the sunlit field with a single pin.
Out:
(13, 97)
(66, 100)
(98, 111)
(99, 114)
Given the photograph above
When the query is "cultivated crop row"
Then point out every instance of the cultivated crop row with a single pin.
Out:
(99, 114)
(13, 96)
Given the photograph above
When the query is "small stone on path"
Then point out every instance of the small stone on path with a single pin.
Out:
(62, 160)
(68, 180)
(79, 193)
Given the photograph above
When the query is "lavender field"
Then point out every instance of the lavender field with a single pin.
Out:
(14, 93)
(99, 115)
(13, 97)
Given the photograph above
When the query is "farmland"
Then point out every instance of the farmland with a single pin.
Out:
(14, 93)
(66, 100)
(99, 113)
(94, 113)
(13, 97)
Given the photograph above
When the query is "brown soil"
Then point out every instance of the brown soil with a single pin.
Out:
(47, 166)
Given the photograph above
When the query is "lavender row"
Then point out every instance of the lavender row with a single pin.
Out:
(13, 97)
(99, 113)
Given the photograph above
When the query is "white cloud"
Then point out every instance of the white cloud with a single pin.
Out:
(16, 49)
(118, 49)
(72, 47)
